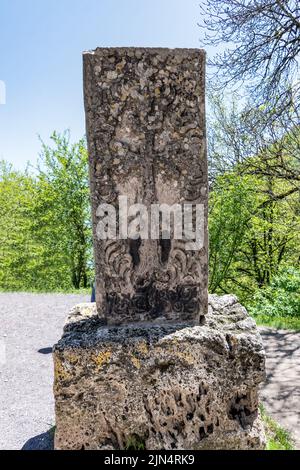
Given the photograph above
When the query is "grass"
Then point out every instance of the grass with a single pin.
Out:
(284, 323)
(81, 291)
(278, 438)
(135, 443)
(52, 430)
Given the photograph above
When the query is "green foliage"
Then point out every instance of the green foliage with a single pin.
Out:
(254, 210)
(251, 236)
(231, 203)
(279, 300)
(135, 443)
(63, 211)
(45, 229)
(52, 431)
(277, 437)
(283, 323)
(17, 193)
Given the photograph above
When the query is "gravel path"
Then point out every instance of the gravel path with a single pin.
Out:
(281, 392)
(29, 326)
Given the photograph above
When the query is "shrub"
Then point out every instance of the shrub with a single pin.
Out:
(281, 298)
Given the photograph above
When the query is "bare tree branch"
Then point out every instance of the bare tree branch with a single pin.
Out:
(263, 47)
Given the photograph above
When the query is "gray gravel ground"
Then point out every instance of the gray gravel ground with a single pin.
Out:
(281, 391)
(30, 325)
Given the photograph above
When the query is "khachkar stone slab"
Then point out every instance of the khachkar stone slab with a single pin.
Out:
(163, 387)
(145, 114)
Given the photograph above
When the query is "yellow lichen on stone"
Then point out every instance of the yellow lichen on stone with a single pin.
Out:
(60, 373)
(186, 357)
(101, 358)
(136, 362)
(71, 357)
(142, 348)
(172, 349)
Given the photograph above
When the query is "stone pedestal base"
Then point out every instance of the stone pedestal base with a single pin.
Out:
(160, 387)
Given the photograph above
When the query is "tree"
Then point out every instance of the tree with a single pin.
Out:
(251, 235)
(63, 207)
(229, 137)
(45, 229)
(238, 139)
(17, 253)
(263, 46)
(230, 209)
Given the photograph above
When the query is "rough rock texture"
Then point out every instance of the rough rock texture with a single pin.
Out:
(165, 386)
(145, 115)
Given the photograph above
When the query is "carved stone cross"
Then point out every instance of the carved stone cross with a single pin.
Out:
(145, 114)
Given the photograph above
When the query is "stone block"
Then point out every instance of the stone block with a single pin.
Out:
(160, 386)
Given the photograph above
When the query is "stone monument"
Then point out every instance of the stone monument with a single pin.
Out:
(155, 363)
(145, 112)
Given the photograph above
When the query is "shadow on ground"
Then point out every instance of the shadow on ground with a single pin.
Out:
(44, 441)
(45, 350)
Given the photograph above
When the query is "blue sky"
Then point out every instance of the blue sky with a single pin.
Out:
(41, 44)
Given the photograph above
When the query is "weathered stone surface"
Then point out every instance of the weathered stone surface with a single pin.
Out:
(187, 388)
(145, 114)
